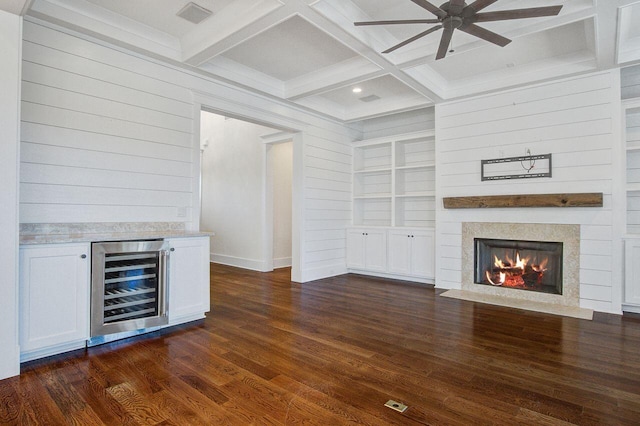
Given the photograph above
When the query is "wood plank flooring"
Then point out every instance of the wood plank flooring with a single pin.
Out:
(332, 352)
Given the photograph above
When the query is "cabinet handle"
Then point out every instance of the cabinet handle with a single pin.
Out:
(172, 249)
(83, 256)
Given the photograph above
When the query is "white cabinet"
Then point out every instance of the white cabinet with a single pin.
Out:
(632, 274)
(367, 249)
(54, 298)
(411, 252)
(188, 278)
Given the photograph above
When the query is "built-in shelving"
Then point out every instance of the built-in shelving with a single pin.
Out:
(394, 181)
(632, 145)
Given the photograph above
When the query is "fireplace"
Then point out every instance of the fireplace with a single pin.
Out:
(519, 264)
(565, 237)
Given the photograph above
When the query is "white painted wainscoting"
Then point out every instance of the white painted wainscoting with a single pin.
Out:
(577, 120)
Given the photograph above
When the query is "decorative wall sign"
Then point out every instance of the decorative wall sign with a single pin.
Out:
(525, 167)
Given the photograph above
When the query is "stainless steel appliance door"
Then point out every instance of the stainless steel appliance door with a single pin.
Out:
(129, 286)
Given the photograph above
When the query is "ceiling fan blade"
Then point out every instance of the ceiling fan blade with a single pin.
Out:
(401, 21)
(431, 8)
(447, 34)
(485, 34)
(478, 5)
(414, 38)
(502, 15)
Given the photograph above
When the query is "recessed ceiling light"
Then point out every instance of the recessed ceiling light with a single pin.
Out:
(357, 90)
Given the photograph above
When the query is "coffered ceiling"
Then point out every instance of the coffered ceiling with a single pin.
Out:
(308, 52)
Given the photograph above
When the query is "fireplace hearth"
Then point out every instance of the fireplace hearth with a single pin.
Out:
(519, 264)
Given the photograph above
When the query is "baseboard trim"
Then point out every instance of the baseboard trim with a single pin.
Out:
(283, 262)
(393, 276)
(322, 272)
(240, 262)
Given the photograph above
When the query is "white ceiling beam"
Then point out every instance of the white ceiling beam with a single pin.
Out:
(101, 23)
(345, 73)
(17, 7)
(236, 23)
(340, 27)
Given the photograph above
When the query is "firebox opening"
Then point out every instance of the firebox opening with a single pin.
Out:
(523, 265)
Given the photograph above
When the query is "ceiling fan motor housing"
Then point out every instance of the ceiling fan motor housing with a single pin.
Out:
(453, 10)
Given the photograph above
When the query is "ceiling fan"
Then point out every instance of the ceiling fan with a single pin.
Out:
(456, 14)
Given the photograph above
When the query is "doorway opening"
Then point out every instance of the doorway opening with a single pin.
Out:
(246, 177)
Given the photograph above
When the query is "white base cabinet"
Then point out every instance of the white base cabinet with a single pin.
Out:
(396, 252)
(367, 249)
(55, 287)
(411, 252)
(188, 278)
(632, 275)
(54, 298)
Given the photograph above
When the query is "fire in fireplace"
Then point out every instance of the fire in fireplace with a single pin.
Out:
(525, 265)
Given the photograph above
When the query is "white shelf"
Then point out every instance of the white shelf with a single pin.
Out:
(394, 182)
(372, 170)
(418, 166)
(372, 196)
(417, 194)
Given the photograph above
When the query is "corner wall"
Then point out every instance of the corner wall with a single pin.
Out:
(10, 51)
(577, 120)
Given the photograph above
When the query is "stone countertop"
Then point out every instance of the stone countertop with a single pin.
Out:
(108, 236)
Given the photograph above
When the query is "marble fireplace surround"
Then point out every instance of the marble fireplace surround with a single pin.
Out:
(568, 303)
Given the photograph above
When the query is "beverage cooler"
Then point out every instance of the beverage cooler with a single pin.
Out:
(128, 288)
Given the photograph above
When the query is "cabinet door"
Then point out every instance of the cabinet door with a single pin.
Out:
(423, 254)
(375, 253)
(355, 248)
(632, 274)
(188, 277)
(54, 295)
(399, 252)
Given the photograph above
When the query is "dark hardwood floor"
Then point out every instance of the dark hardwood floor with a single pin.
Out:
(333, 352)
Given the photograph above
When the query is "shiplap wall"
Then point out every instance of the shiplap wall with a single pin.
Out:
(107, 136)
(396, 124)
(633, 170)
(577, 120)
(327, 201)
(104, 138)
(630, 82)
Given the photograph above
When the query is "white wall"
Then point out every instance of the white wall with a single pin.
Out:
(396, 124)
(106, 137)
(10, 51)
(281, 163)
(115, 140)
(576, 120)
(233, 185)
(630, 82)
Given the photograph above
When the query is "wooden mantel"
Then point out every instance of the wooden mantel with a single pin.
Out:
(589, 199)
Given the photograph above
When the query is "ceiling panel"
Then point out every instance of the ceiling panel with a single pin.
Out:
(290, 50)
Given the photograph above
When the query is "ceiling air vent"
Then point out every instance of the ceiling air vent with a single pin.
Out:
(369, 98)
(194, 13)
